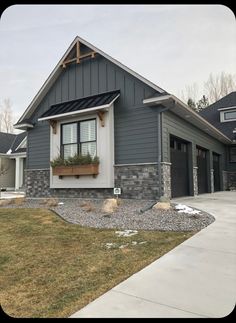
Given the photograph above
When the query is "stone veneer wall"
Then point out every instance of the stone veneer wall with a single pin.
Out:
(195, 181)
(166, 179)
(231, 180)
(38, 185)
(135, 181)
(212, 180)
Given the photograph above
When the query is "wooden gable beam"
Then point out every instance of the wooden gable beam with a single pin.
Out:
(78, 56)
(101, 115)
(53, 124)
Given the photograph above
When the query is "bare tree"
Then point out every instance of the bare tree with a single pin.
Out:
(218, 86)
(190, 92)
(6, 116)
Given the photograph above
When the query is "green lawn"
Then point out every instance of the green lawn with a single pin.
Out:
(50, 268)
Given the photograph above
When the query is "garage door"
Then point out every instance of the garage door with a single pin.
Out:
(202, 170)
(216, 167)
(179, 167)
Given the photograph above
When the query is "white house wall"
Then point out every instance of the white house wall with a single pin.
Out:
(105, 152)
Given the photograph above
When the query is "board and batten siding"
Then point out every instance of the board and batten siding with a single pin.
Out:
(135, 126)
(173, 124)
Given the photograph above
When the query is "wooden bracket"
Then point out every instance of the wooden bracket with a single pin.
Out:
(78, 57)
(53, 124)
(101, 115)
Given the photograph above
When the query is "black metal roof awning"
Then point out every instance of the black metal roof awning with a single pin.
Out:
(83, 105)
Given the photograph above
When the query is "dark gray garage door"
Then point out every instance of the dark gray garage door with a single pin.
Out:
(216, 167)
(202, 175)
(179, 167)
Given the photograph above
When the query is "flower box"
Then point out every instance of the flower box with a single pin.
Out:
(76, 170)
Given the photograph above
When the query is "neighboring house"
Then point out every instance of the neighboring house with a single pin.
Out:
(222, 115)
(148, 141)
(13, 160)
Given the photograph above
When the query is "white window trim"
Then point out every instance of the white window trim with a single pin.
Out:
(222, 114)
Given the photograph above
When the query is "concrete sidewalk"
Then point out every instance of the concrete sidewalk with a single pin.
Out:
(195, 279)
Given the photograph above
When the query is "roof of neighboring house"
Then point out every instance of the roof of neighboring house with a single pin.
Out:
(6, 140)
(212, 115)
(10, 141)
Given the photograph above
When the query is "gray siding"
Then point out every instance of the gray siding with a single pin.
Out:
(135, 125)
(172, 124)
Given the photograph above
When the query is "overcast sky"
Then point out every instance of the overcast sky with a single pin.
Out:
(171, 45)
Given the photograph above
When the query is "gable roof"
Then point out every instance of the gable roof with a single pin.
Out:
(10, 141)
(212, 115)
(6, 140)
(57, 70)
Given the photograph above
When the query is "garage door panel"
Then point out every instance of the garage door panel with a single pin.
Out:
(216, 167)
(179, 168)
(202, 174)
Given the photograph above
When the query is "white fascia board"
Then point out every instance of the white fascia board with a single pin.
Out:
(22, 143)
(56, 70)
(165, 98)
(74, 113)
(158, 99)
(23, 125)
(228, 108)
(12, 156)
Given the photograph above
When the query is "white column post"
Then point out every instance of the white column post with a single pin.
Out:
(17, 173)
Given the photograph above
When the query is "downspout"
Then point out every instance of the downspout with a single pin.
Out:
(159, 151)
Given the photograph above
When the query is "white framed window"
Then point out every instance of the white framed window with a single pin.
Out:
(79, 138)
(228, 114)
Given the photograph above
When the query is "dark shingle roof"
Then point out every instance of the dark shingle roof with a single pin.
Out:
(212, 115)
(81, 104)
(6, 140)
(11, 141)
(17, 141)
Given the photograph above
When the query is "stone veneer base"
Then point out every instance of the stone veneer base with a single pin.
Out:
(135, 181)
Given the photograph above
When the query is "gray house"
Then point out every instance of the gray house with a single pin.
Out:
(148, 141)
(222, 115)
(12, 160)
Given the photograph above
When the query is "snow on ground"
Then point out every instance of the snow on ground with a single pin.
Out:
(126, 233)
(186, 209)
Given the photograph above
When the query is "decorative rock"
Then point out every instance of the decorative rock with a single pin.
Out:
(109, 205)
(162, 206)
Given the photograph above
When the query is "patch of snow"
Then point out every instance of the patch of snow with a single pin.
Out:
(126, 233)
(110, 245)
(186, 209)
(134, 243)
(123, 246)
(60, 203)
(142, 242)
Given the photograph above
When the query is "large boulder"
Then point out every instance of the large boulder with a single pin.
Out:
(162, 206)
(109, 205)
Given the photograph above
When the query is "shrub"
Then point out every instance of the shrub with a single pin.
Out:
(77, 159)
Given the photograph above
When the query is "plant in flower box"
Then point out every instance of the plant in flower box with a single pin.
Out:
(75, 166)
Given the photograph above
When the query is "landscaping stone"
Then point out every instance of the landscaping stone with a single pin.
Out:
(109, 205)
(162, 206)
(126, 216)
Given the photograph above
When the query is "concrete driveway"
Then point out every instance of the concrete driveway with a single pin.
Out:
(195, 279)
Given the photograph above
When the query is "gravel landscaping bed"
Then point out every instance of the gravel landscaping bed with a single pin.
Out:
(127, 216)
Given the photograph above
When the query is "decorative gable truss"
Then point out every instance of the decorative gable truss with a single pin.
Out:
(77, 53)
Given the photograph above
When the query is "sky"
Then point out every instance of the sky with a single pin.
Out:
(173, 46)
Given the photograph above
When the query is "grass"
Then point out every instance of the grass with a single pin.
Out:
(50, 268)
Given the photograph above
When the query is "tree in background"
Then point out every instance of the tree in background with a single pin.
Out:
(219, 86)
(216, 87)
(6, 116)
